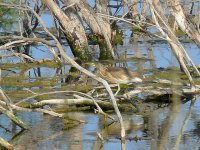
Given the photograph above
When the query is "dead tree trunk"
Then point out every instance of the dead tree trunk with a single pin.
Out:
(72, 28)
(97, 25)
(102, 8)
(184, 21)
(161, 23)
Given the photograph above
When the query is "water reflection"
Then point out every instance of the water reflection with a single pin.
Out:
(173, 127)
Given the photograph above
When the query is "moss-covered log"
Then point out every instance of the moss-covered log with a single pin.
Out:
(72, 28)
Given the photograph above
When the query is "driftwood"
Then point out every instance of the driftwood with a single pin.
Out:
(21, 41)
(79, 101)
(160, 91)
(105, 105)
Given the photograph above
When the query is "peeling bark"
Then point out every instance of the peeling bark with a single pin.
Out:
(102, 7)
(72, 28)
(97, 25)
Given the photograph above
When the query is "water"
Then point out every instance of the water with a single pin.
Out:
(161, 130)
(164, 128)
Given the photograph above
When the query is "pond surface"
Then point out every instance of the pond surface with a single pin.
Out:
(171, 127)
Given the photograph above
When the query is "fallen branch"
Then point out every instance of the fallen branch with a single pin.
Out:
(79, 101)
(12, 117)
(50, 112)
(159, 91)
(5, 144)
(9, 112)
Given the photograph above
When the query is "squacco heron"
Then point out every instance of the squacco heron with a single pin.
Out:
(119, 75)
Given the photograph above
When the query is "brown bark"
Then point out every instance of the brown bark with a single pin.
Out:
(144, 9)
(102, 7)
(133, 9)
(99, 26)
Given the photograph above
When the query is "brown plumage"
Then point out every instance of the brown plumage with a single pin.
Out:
(117, 74)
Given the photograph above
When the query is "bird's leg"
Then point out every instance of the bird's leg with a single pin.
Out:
(118, 89)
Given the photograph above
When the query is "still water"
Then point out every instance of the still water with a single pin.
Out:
(172, 127)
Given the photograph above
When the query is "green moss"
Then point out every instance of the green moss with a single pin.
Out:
(173, 68)
(14, 78)
(71, 108)
(22, 66)
(26, 66)
(118, 38)
(186, 40)
(81, 53)
(93, 38)
(42, 97)
(82, 88)
(114, 26)
(136, 30)
(170, 75)
(104, 51)
(25, 105)
(16, 95)
(179, 33)
(15, 82)
(70, 123)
